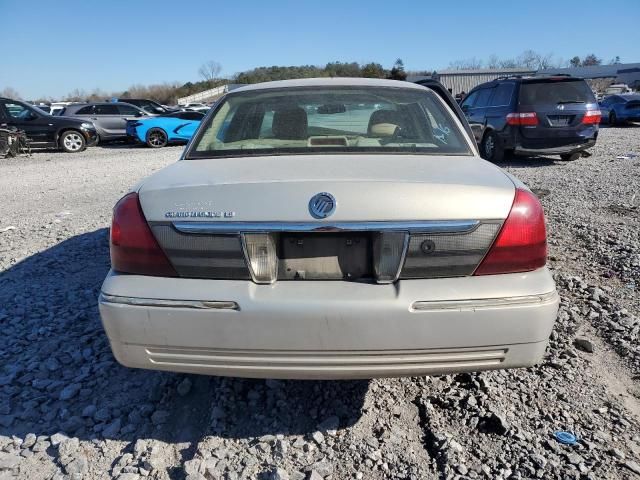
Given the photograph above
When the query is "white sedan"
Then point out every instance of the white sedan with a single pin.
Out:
(329, 228)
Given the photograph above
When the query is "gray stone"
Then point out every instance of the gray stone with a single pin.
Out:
(128, 476)
(279, 474)
(68, 447)
(184, 387)
(538, 460)
(324, 468)
(633, 466)
(619, 454)
(193, 466)
(52, 364)
(41, 446)
(89, 411)
(8, 461)
(139, 447)
(29, 440)
(112, 429)
(70, 391)
(58, 438)
(318, 437)
(575, 459)
(102, 415)
(159, 417)
(77, 465)
(314, 476)
(583, 344)
(329, 425)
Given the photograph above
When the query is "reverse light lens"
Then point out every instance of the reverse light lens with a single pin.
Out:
(592, 117)
(524, 119)
(388, 253)
(260, 250)
(521, 245)
(133, 247)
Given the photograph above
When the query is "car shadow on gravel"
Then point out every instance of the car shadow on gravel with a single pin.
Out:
(515, 161)
(57, 372)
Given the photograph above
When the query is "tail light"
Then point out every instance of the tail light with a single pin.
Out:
(521, 245)
(388, 254)
(592, 117)
(134, 249)
(525, 119)
(261, 254)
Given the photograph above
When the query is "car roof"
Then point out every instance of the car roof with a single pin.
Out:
(330, 82)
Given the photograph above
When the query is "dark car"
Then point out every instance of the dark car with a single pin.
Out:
(619, 109)
(555, 115)
(47, 131)
(147, 105)
(110, 119)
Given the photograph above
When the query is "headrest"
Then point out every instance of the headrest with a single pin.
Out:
(290, 123)
(391, 120)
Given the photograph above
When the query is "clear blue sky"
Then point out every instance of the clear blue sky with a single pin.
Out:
(52, 47)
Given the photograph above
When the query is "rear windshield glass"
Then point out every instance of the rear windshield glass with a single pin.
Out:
(554, 92)
(331, 119)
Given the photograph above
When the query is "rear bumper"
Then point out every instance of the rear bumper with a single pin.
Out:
(556, 150)
(329, 329)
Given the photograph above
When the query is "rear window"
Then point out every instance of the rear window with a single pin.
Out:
(330, 119)
(555, 92)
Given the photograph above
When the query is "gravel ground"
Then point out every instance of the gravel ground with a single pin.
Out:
(68, 410)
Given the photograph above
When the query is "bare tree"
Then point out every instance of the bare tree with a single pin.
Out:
(210, 70)
(76, 95)
(10, 92)
(467, 64)
(493, 62)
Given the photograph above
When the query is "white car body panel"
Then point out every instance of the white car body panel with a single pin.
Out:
(321, 329)
(367, 187)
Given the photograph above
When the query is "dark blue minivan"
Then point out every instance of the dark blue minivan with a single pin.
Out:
(540, 115)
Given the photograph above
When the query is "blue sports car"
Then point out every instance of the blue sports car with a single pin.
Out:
(159, 131)
(617, 109)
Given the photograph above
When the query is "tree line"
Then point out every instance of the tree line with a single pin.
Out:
(210, 72)
(530, 60)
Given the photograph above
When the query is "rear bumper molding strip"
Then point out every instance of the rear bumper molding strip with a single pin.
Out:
(154, 302)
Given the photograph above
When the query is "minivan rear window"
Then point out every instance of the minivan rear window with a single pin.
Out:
(556, 92)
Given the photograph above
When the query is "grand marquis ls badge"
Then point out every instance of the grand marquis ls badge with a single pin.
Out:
(322, 205)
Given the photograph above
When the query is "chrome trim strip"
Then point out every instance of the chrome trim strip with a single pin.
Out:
(482, 303)
(226, 228)
(154, 302)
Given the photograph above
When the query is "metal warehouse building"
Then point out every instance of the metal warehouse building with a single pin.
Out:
(464, 80)
(459, 81)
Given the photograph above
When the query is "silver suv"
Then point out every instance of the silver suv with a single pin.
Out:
(110, 119)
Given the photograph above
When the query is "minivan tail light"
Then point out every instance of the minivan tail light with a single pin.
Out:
(591, 117)
(133, 247)
(521, 245)
(522, 118)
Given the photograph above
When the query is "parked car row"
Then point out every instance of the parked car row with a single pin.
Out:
(48, 131)
(79, 125)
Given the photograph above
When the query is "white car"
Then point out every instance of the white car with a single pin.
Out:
(302, 235)
(196, 107)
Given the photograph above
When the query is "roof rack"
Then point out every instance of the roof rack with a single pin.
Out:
(507, 77)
